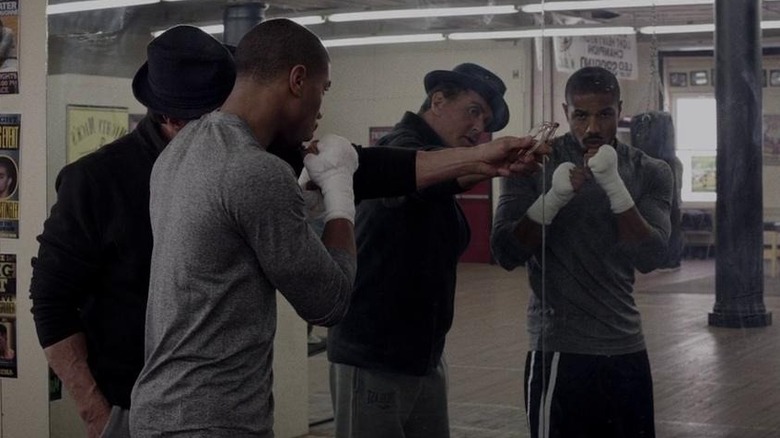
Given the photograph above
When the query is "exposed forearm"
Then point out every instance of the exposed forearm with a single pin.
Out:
(529, 233)
(445, 164)
(339, 234)
(513, 243)
(632, 227)
(68, 359)
(643, 244)
(469, 181)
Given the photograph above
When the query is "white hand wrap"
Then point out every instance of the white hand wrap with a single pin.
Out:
(546, 206)
(315, 204)
(331, 169)
(604, 167)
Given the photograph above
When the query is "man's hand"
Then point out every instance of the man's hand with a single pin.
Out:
(330, 165)
(604, 167)
(546, 206)
(506, 156)
(96, 419)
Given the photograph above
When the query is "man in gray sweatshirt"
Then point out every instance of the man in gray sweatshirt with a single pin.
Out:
(229, 230)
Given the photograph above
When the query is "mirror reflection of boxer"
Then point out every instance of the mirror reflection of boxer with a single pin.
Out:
(7, 177)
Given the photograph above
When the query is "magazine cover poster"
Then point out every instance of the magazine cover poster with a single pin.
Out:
(8, 366)
(9, 175)
(9, 41)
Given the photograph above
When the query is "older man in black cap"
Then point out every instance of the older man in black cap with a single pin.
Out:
(388, 377)
(91, 276)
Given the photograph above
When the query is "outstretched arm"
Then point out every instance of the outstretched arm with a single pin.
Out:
(471, 165)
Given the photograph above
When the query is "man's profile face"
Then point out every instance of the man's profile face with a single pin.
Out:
(315, 87)
(6, 183)
(461, 119)
(593, 118)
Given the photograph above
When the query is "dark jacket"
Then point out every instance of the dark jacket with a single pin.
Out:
(92, 270)
(408, 249)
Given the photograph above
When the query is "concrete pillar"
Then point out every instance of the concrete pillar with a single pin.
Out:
(239, 17)
(739, 266)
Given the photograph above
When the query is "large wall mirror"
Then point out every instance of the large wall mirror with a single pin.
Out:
(706, 380)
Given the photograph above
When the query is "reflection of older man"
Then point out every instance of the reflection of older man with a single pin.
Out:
(7, 49)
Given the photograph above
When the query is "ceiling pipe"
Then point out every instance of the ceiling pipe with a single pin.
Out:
(239, 17)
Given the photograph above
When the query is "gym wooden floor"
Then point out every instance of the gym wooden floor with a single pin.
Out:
(709, 382)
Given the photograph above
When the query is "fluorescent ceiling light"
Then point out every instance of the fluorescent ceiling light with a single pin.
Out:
(307, 20)
(387, 39)
(422, 13)
(553, 6)
(681, 28)
(214, 29)
(547, 32)
(93, 5)
(605, 4)
(696, 28)
(771, 24)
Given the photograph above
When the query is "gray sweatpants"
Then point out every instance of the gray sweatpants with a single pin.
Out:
(379, 404)
(118, 425)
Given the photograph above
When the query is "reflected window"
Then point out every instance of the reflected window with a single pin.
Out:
(696, 133)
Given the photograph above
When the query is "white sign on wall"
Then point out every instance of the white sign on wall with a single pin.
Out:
(616, 53)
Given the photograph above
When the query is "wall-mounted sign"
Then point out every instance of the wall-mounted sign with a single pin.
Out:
(678, 79)
(616, 53)
(700, 77)
(90, 127)
(377, 132)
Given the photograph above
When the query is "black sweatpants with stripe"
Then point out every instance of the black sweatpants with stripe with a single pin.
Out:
(588, 396)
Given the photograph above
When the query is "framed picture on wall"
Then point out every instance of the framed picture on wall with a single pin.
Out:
(774, 78)
(377, 132)
(771, 139)
(703, 173)
(678, 79)
(700, 77)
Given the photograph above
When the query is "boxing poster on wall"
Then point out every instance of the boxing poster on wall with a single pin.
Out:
(9, 41)
(90, 127)
(10, 125)
(8, 365)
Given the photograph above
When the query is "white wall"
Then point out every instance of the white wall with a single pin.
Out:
(24, 410)
(373, 86)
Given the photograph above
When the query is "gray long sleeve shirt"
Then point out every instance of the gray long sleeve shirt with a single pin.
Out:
(229, 229)
(583, 303)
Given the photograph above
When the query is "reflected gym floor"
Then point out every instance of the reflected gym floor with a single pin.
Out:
(709, 382)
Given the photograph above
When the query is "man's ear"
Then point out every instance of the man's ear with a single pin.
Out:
(437, 100)
(566, 110)
(297, 77)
